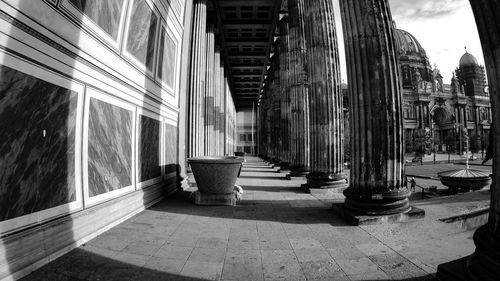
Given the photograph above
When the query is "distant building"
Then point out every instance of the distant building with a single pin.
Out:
(246, 132)
(436, 113)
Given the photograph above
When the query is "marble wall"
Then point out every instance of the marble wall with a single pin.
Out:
(141, 33)
(37, 152)
(106, 14)
(109, 147)
(166, 60)
(149, 149)
(170, 148)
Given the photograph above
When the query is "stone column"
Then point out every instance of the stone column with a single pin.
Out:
(215, 109)
(220, 110)
(484, 264)
(326, 122)
(197, 80)
(209, 91)
(274, 87)
(298, 91)
(284, 92)
(375, 97)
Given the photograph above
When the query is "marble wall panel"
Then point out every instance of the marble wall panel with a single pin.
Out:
(167, 58)
(37, 151)
(109, 147)
(149, 149)
(170, 148)
(142, 33)
(106, 14)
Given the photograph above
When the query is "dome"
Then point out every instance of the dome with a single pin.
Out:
(467, 60)
(408, 44)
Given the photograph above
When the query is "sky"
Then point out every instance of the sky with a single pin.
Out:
(443, 28)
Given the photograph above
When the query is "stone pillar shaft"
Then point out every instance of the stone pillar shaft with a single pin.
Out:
(284, 92)
(485, 263)
(325, 98)
(222, 115)
(377, 134)
(197, 80)
(274, 89)
(209, 91)
(215, 109)
(298, 90)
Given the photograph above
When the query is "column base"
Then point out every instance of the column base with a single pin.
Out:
(325, 183)
(298, 173)
(453, 270)
(284, 168)
(483, 265)
(294, 178)
(359, 218)
(382, 203)
(215, 199)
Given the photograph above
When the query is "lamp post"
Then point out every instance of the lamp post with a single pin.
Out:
(482, 142)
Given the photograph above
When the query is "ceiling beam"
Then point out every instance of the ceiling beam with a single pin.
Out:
(246, 24)
(254, 55)
(277, 6)
(247, 40)
(232, 3)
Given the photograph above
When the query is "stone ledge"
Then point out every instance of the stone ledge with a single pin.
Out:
(359, 219)
(322, 191)
(215, 199)
(293, 178)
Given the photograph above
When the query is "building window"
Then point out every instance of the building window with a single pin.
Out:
(406, 112)
(243, 137)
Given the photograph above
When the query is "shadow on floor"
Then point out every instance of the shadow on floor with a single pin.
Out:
(480, 195)
(277, 177)
(81, 264)
(293, 211)
(91, 263)
(290, 189)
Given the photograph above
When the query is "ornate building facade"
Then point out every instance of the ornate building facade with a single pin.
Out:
(438, 115)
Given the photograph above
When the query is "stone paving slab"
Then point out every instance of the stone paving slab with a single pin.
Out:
(276, 233)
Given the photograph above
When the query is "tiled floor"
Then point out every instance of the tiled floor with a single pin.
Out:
(276, 233)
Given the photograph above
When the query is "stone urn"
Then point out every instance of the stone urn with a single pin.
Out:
(464, 179)
(215, 177)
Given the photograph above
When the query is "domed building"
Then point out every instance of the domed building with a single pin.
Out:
(435, 114)
(471, 75)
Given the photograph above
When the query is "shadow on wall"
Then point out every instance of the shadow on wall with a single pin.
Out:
(48, 110)
(40, 117)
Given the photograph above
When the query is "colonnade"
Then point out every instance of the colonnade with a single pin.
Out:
(376, 183)
(309, 98)
(211, 108)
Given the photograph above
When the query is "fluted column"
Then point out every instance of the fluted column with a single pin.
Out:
(222, 116)
(298, 91)
(197, 80)
(274, 87)
(377, 156)
(484, 264)
(215, 109)
(284, 92)
(325, 98)
(209, 91)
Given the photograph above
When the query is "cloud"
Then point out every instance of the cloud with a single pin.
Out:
(418, 9)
